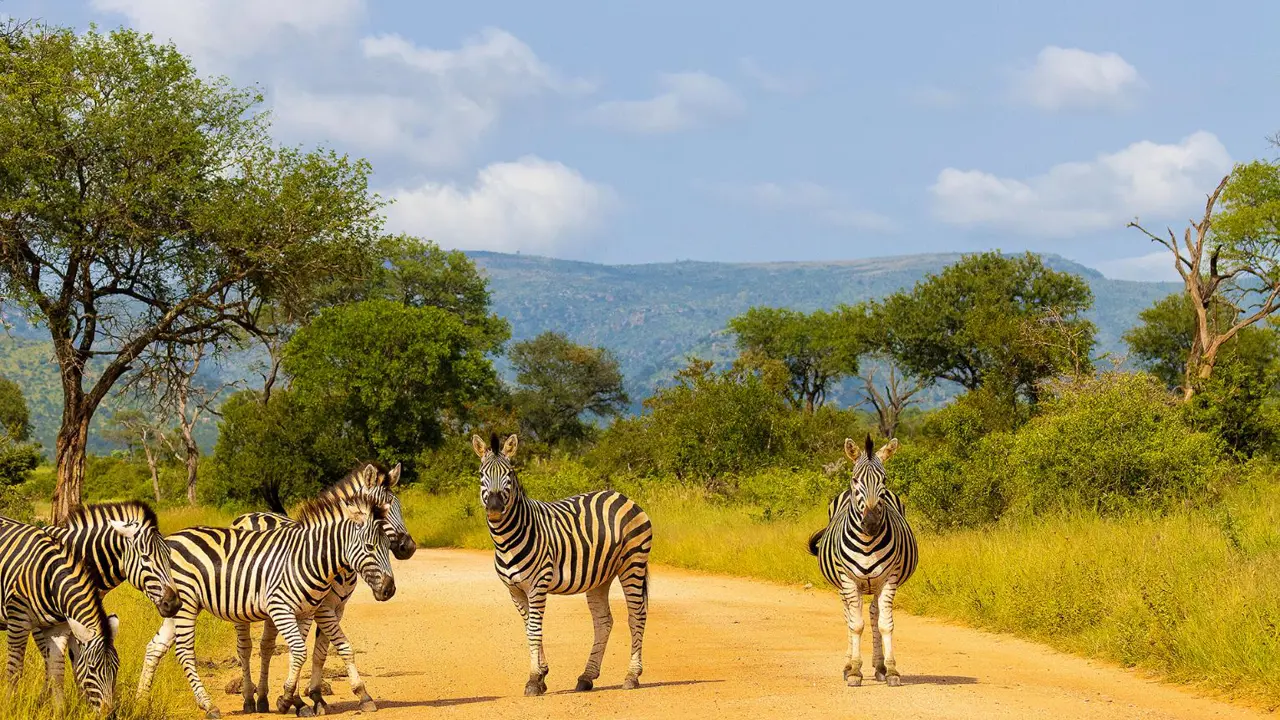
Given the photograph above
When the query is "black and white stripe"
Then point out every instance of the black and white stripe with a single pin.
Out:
(575, 545)
(45, 591)
(375, 484)
(867, 548)
(282, 575)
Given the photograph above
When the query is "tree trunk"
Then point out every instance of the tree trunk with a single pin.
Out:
(73, 439)
(155, 473)
(193, 462)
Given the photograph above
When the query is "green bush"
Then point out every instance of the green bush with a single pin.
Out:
(776, 493)
(119, 477)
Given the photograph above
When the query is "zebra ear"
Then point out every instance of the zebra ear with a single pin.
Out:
(81, 633)
(478, 444)
(125, 528)
(851, 450)
(888, 450)
(509, 447)
(393, 477)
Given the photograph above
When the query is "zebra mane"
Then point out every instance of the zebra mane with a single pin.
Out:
(94, 515)
(350, 479)
(325, 505)
(494, 445)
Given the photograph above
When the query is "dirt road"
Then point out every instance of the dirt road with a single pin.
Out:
(451, 645)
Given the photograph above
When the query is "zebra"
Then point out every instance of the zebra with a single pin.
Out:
(375, 483)
(44, 589)
(867, 548)
(570, 546)
(281, 575)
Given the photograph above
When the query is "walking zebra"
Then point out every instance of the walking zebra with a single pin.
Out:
(121, 541)
(281, 575)
(867, 548)
(375, 484)
(43, 589)
(570, 546)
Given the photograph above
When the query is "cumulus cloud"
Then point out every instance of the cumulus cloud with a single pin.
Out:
(809, 199)
(1151, 267)
(1064, 78)
(431, 106)
(687, 100)
(209, 29)
(1144, 179)
(531, 205)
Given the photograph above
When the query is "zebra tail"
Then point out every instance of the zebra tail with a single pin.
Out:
(814, 539)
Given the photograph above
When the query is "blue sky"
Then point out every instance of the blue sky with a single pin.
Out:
(748, 131)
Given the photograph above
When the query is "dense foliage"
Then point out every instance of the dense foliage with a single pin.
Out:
(560, 385)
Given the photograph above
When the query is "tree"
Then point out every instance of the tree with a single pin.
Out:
(17, 456)
(992, 318)
(142, 205)
(559, 382)
(15, 418)
(134, 428)
(870, 331)
(810, 346)
(1228, 259)
(387, 374)
(271, 452)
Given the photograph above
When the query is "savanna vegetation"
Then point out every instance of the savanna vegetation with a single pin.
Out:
(1119, 511)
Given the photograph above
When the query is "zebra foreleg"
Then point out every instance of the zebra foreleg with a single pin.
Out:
(538, 668)
(266, 649)
(294, 632)
(52, 642)
(319, 653)
(244, 651)
(635, 586)
(877, 646)
(156, 649)
(327, 620)
(852, 598)
(885, 601)
(602, 620)
(185, 629)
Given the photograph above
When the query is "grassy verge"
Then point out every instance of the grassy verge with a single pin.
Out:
(170, 694)
(1191, 596)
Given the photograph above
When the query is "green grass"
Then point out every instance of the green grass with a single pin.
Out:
(170, 694)
(1192, 597)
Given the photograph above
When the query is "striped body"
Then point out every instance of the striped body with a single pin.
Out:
(867, 548)
(46, 592)
(368, 482)
(282, 575)
(570, 546)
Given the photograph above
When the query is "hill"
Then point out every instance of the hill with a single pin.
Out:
(653, 316)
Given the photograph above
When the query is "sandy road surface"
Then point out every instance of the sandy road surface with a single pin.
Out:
(451, 645)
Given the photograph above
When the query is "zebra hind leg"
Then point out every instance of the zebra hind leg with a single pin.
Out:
(244, 650)
(602, 620)
(266, 649)
(635, 587)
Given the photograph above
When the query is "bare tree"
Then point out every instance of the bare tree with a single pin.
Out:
(135, 428)
(898, 393)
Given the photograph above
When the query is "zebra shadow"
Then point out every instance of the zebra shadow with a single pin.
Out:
(388, 704)
(643, 685)
(938, 680)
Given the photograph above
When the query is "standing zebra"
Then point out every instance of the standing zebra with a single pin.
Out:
(281, 575)
(575, 545)
(43, 589)
(867, 548)
(375, 484)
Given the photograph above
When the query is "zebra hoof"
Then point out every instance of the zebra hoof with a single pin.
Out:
(584, 684)
(250, 707)
(264, 705)
(213, 714)
(283, 705)
(534, 687)
(368, 706)
(894, 680)
(631, 683)
(880, 674)
(305, 711)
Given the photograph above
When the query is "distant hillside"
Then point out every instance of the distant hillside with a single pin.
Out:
(652, 316)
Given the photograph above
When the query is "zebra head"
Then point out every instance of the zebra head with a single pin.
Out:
(123, 542)
(94, 660)
(367, 550)
(866, 482)
(497, 478)
(379, 486)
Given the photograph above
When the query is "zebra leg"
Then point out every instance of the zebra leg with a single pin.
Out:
(17, 632)
(852, 597)
(244, 651)
(266, 649)
(877, 646)
(290, 626)
(602, 619)
(327, 619)
(156, 649)
(319, 653)
(184, 625)
(885, 600)
(52, 642)
(635, 586)
(538, 668)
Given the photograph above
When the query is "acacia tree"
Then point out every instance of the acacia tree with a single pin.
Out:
(559, 382)
(142, 205)
(1228, 259)
(810, 346)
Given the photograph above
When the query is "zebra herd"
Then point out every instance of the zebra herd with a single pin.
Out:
(288, 572)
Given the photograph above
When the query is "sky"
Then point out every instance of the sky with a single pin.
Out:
(751, 131)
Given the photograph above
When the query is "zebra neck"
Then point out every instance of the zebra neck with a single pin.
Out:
(99, 549)
(322, 547)
(517, 523)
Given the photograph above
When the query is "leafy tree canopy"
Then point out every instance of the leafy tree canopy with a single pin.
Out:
(816, 349)
(559, 382)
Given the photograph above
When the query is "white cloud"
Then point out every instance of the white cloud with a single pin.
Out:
(431, 106)
(208, 29)
(1064, 78)
(1144, 179)
(772, 82)
(532, 205)
(810, 199)
(1152, 267)
(688, 100)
